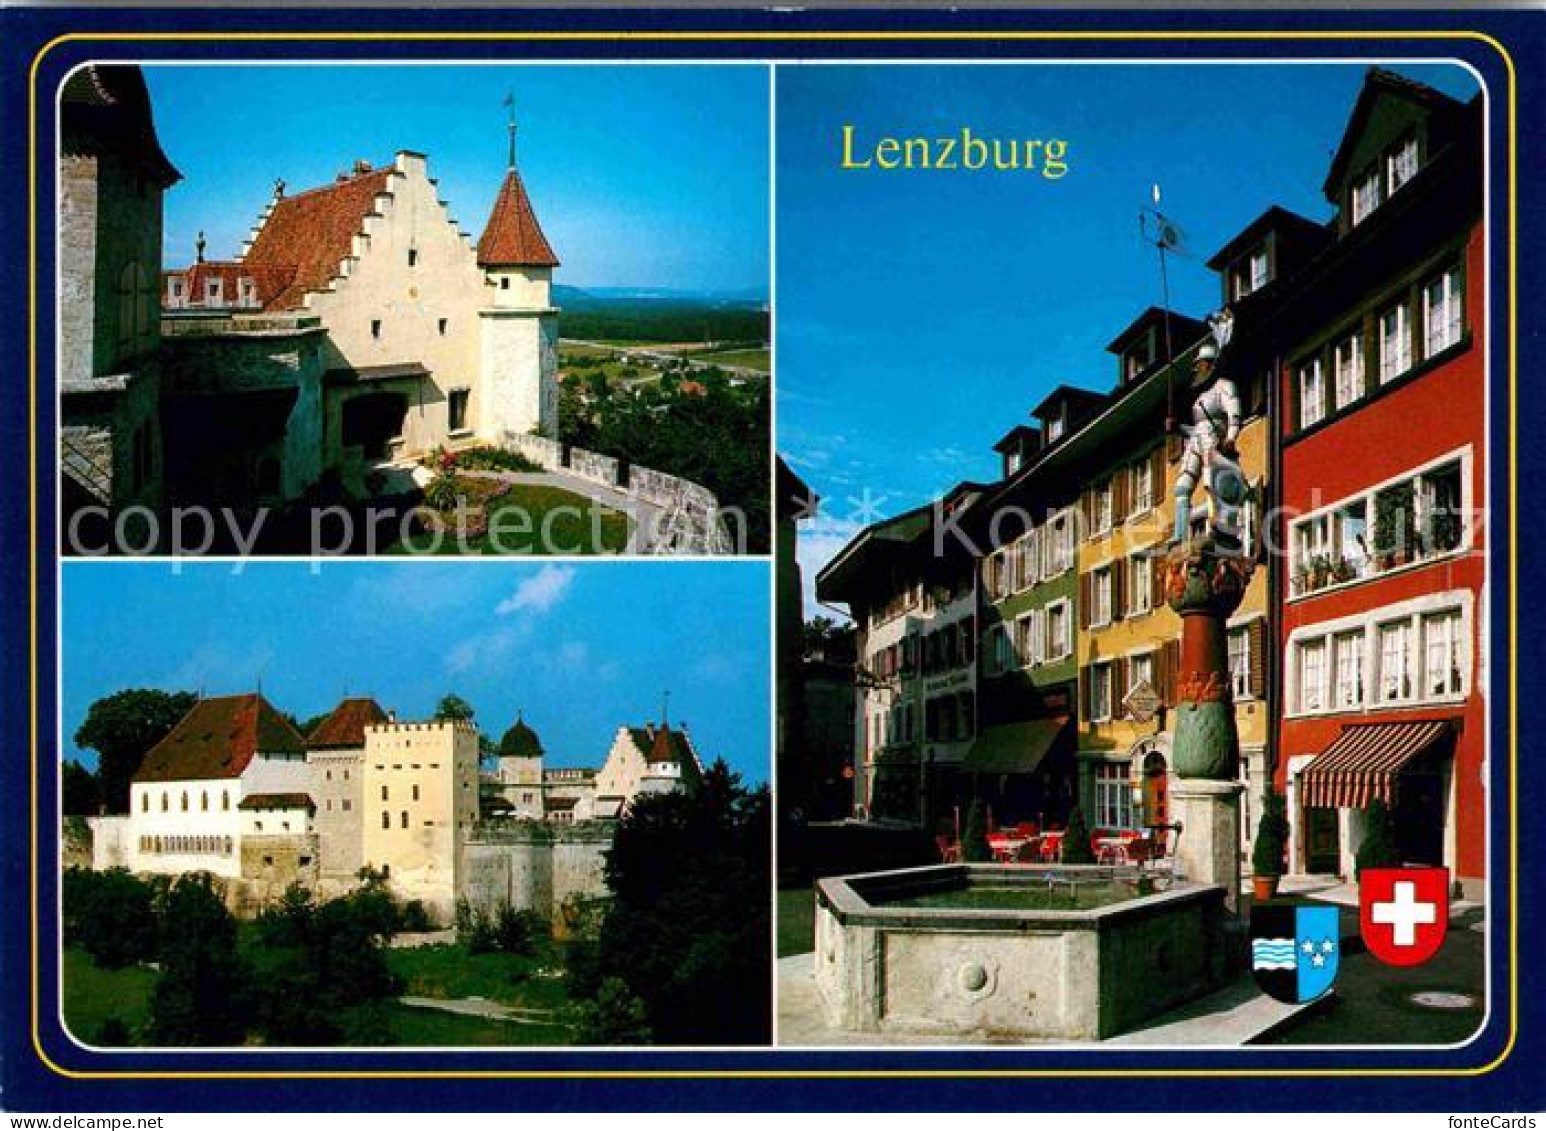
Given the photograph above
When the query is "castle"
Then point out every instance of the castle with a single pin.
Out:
(234, 789)
(360, 327)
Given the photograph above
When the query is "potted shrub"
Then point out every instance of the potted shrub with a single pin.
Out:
(1395, 523)
(974, 839)
(1378, 847)
(1271, 847)
(1343, 570)
(1076, 840)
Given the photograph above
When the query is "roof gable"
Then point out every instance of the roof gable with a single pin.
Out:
(218, 738)
(312, 232)
(1388, 105)
(345, 727)
(513, 237)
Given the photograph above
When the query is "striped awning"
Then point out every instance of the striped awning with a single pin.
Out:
(1363, 762)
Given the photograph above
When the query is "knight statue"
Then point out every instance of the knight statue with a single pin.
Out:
(1210, 444)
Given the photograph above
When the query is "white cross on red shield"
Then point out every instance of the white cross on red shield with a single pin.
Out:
(1403, 913)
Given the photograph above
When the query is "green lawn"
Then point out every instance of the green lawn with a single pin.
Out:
(93, 996)
(392, 1023)
(534, 519)
(796, 921)
(449, 971)
(740, 358)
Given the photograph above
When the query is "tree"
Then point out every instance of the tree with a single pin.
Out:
(122, 728)
(1271, 836)
(1378, 847)
(199, 998)
(80, 791)
(110, 915)
(453, 708)
(1076, 839)
(687, 931)
(615, 1016)
(974, 838)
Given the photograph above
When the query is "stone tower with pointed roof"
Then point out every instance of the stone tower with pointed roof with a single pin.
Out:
(518, 363)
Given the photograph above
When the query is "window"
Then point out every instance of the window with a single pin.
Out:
(347, 805)
(1113, 796)
(185, 801)
(1258, 269)
(144, 803)
(1312, 675)
(375, 328)
(405, 818)
(413, 257)
(441, 324)
(225, 801)
(416, 791)
(1441, 313)
(1395, 661)
(1367, 195)
(386, 820)
(1441, 509)
(1395, 342)
(1347, 655)
(384, 796)
(1142, 487)
(1061, 541)
(1240, 662)
(1057, 630)
(1347, 362)
(504, 283)
(1312, 393)
(1140, 670)
(457, 402)
(1401, 164)
(1100, 508)
(1100, 597)
(214, 289)
(1100, 692)
(1055, 427)
(1140, 591)
(177, 288)
(1443, 665)
(204, 802)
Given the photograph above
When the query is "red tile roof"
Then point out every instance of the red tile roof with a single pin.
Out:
(662, 744)
(310, 233)
(345, 727)
(266, 801)
(512, 237)
(218, 738)
(268, 281)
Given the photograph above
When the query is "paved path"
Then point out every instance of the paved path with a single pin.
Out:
(1233, 1016)
(484, 1008)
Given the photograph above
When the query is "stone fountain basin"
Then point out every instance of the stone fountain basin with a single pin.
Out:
(895, 951)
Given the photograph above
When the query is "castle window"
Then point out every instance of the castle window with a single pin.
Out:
(441, 326)
(185, 801)
(415, 792)
(504, 284)
(225, 800)
(258, 825)
(405, 818)
(347, 805)
(384, 795)
(144, 803)
(386, 820)
(457, 401)
(413, 257)
(163, 801)
(375, 328)
(204, 802)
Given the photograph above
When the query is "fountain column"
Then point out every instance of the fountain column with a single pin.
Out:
(1205, 587)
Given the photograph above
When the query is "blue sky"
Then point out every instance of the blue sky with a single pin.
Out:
(641, 175)
(921, 315)
(582, 649)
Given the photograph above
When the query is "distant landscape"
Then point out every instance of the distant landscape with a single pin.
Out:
(672, 380)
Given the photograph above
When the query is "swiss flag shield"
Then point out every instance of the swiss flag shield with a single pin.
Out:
(1403, 913)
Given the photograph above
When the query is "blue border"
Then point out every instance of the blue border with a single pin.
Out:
(28, 1085)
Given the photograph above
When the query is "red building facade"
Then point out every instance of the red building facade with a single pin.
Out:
(1382, 505)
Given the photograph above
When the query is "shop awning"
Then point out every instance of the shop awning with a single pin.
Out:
(1013, 748)
(1363, 761)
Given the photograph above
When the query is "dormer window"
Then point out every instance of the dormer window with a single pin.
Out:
(1137, 359)
(1395, 167)
(1401, 164)
(1367, 195)
(1251, 274)
(1055, 427)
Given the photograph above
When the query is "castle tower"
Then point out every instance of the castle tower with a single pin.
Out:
(518, 359)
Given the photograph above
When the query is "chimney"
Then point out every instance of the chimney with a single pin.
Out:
(361, 166)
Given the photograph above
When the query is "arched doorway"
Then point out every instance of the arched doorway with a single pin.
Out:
(1156, 789)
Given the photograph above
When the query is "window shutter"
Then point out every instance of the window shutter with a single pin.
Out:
(1084, 600)
(1156, 582)
(1119, 570)
(1119, 494)
(1087, 512)
(1256, 640)
(1171, 654)
(1157, 476)
(1118, 688)
(1174, 446)
(1084, 693)
(1371, 352)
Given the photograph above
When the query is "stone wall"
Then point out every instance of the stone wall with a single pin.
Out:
(533, 866)
(689, 521)
(270, 864)
(109, 842)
